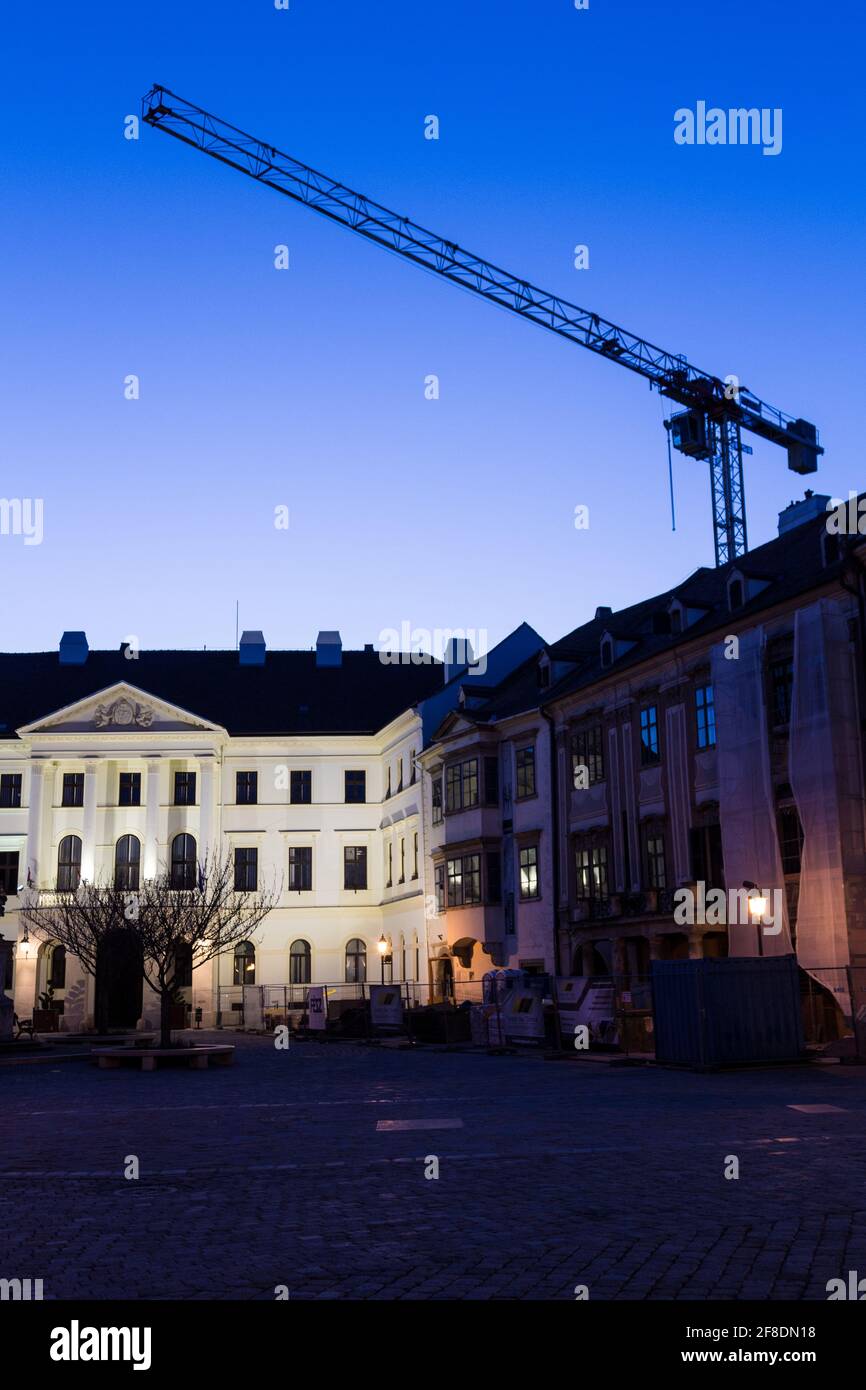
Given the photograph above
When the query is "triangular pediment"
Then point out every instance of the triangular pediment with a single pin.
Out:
(119, 709)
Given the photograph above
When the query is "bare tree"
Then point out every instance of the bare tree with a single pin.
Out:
(200, 920)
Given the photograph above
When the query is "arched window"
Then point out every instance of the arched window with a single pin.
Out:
(68, 864)
(183, 862)
(56, 975)
(245, 964)
(356, 962)
(299, 963)
(127, 858)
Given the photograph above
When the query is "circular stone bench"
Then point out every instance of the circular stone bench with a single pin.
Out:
(149, 1058)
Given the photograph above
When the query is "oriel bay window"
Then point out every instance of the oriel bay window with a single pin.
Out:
(300, 868)
(461, 785)
(464, 880)
(587, 756)
(246, 869)
(528, 864)
(437, 800)
(354, 867)
(439, 884)
(590, 862)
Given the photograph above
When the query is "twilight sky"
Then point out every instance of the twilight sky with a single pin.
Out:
(305, 388)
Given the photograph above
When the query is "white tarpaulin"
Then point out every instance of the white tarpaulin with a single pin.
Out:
(750, 847)
(826, 780)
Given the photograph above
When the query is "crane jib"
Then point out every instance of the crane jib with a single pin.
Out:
(715, 410)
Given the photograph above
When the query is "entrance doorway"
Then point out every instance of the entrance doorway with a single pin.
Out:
(119, 983)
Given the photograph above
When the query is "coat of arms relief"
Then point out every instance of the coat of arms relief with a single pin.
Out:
(122, 713)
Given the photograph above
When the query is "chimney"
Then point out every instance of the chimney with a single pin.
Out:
(73, 649)
(604, 612)
(457, 656)
(252, 648)
(329, 649)
(798, 513)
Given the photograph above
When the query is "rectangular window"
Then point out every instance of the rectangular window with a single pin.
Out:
(491, 781)
(402, 859)
(494, 877)
(705, 842)
(439, 884)
(247, 788)
(355, 866)
(471, 878)
(10, 789)
(390, 880)
(184, 789)
(9, 872)
(415, 855)
(455, 882)
(781, 690)
(705, 713)
(129, 789)
(525, 772)
(301, 788)
(73, 789)
(246, 870)
(356, 786)
(790, 839)
(591, 866)
(649, 735)
(587, 752)
(437, 800)
(461, 785)
(655, 861)
(300, 869)
(529, 887)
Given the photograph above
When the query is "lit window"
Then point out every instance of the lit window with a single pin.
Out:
(525, 772)
(529, 873)
(245, 964)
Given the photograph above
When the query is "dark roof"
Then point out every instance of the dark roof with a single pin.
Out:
(788, 565)
(288, 695)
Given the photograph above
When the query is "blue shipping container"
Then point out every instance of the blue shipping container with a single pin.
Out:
(721, 1013)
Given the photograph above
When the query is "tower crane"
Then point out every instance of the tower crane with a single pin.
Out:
(714, 412)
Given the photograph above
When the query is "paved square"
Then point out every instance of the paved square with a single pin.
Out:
(273, 1172)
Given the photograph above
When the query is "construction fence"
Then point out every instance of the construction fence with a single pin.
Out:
(613, 1013)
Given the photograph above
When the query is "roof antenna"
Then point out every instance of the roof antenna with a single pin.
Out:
(237, 609)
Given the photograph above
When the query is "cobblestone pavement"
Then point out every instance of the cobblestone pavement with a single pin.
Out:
(273, 1172)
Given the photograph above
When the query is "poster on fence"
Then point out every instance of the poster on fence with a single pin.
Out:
(317, 1007)
(583, 1000)
(386, 1006)
(522, 1015)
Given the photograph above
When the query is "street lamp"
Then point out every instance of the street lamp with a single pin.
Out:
(757, 908)
(382, 948)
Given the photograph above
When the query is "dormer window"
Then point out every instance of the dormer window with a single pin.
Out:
(676, 620)
(830, 548)
(606, 652)
(735, 593)
(543, 674)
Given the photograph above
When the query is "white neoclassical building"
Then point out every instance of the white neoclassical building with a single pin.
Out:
(299, 765)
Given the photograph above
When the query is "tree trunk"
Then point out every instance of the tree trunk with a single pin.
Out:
(165, 1019)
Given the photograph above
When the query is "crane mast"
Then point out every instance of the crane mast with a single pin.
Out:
(715, 412)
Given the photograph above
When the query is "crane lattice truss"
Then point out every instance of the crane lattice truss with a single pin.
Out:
(714, 414)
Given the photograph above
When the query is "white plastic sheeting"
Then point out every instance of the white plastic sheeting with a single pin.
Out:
(750, 845)
(826, 779)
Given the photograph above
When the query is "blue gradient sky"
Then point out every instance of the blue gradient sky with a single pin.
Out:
(305, 387)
